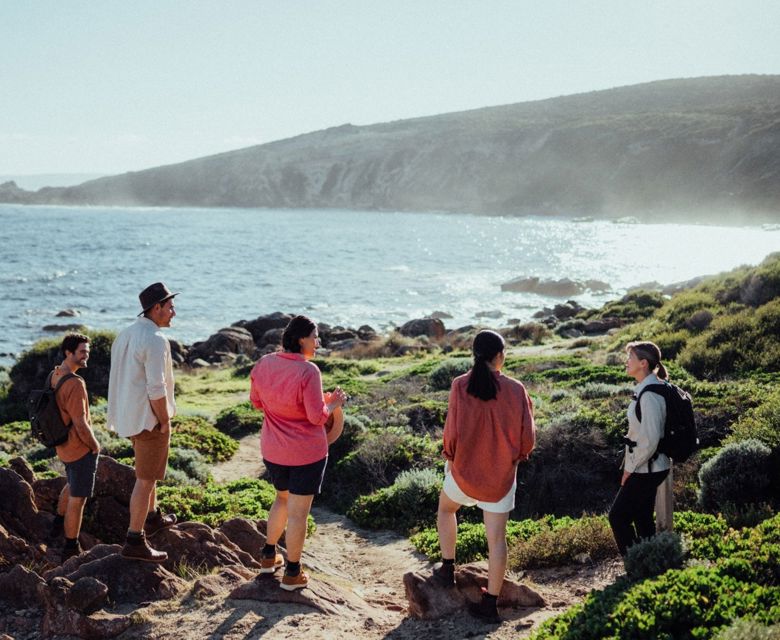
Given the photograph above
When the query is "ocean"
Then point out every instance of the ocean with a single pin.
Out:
(345, 268)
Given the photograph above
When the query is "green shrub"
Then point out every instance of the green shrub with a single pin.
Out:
(191, 463)
(633, 306)
(410, 502)
(215, 503)
(379, 456)
(739, 474)
(471, 539)
(760, 423)
(703, 533)
(593, 390)
(590, 535)
(442, 376)
(351, 435)
(688, 603)
(239, 420)
(743, 629)
(194, 432)
(655, 556)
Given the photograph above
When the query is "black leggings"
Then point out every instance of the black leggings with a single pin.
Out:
(631, 515)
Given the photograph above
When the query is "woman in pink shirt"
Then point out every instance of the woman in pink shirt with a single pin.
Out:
(293, 441)
(488, 431)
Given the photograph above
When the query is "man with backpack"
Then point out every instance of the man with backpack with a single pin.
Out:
(140, 407)
(80, 451)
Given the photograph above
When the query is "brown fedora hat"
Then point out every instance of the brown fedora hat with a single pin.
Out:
(154, 294)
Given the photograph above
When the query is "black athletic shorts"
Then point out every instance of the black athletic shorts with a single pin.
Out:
(302, 480)
(81, 475)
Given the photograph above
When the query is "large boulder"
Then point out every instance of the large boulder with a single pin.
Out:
(246, 535)
(197, 544)
(229, 340)
(20, 586)
(68, 605)
(556, 288)
(114, 479)
(261, 324)
(429, 600)
(128, 581)
(15, 550)
(430, 327)
(19, 514)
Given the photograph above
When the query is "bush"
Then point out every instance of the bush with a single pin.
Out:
(239, 420)
(590, 535)
(749, 630)
(194, 432)
(472, 542)
(739, 474)
(655, 556)
(191, 463)
(410, 502)
(688, 603)
(442, 376)
(379, 456)
(214, 503)
(760, 423)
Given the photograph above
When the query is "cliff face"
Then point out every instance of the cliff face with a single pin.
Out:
(700, 145)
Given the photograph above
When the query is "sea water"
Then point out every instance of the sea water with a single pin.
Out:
(342, 267)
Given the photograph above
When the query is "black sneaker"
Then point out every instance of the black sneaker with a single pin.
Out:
(70, 552)
(444, 574)
(485, 610)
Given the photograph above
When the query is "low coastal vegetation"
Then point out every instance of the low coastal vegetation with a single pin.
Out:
(717, 575)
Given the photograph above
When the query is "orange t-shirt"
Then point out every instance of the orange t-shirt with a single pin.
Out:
(72, 401)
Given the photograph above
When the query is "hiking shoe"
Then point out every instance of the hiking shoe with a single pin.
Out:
(271, 563)
(142, 551)
(291, 583)
(444, 574)
(485, 610)
(70, 552)
(156, 521)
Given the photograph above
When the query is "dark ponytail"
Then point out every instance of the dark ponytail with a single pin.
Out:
(482, 381)
(649, 351)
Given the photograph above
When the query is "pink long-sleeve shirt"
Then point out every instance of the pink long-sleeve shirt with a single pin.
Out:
(288, 389)
(485, 439)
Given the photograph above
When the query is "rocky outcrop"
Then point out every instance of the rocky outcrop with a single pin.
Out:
(261, 324)
(19, 514)
(430, 327)
(561, 288)
(429, 600)
(223, 345)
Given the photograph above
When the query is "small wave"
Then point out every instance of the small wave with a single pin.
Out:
(403, 268)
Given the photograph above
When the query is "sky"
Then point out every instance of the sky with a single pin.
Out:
(113, 86)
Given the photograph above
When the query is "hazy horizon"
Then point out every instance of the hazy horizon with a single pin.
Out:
(108, 88)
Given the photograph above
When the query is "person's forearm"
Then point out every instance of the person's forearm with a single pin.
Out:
(86, 435)
(160, 409)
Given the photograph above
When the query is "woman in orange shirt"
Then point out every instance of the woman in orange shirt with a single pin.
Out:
(488, 431)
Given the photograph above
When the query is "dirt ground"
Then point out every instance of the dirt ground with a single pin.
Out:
(370, 564)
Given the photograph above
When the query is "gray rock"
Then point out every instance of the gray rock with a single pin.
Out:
(68, 313)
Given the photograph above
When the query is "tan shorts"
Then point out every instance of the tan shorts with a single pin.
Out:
(151, 453)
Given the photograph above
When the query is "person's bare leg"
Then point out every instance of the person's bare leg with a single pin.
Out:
(62, 501)
(139, 503)
(447, 525)
(74, 513)
(495, 530)
(277, 518)
(298, 508)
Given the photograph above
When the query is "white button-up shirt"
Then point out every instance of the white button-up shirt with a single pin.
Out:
(648, 432)
(141, 370)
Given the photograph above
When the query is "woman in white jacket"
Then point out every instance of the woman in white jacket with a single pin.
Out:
(644, 469)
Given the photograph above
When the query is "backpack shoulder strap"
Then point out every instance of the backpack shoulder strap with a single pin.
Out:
(652, 388)
(62, 380)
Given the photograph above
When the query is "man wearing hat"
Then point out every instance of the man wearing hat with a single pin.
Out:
(140, 407)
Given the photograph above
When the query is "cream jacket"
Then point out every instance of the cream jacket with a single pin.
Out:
(646, 433)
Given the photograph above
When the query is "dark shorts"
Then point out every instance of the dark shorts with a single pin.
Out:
(81, 475)
(303, 480)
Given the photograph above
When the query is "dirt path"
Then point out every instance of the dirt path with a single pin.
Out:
(371, 564)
